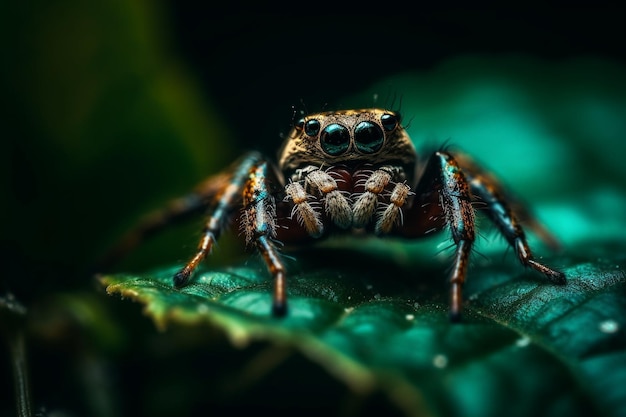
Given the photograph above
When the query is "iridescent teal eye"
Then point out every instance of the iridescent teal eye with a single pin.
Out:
(389, 121)
(312, 127)
(368, 137)
(335, 139)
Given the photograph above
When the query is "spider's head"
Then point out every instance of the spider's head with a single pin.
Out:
(347, 137)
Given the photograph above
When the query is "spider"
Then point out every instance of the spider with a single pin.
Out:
(350, 171)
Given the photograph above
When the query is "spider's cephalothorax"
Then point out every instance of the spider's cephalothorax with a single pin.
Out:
(350, 163)
(347, 137)
(345, 171)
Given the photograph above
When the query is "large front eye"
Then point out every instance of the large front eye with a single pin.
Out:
(368, 137)
(335, 139)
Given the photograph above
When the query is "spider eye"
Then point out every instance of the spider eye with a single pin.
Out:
(389, 121)
(368, 137)
(299, 124)
(335, 139)
(312, 127)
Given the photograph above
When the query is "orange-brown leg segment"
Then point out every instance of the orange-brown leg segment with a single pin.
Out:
(221, 208)
(175, 211)
(444, 175)
(505, 214)
(270, 256)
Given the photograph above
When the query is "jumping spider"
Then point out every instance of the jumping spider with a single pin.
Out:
(350, 170)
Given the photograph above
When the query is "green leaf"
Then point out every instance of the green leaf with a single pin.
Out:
(526, 347)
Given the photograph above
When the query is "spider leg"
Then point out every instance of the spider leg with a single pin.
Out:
(221, 207)
(487, 187)
(175, 211)
(506, 214)
(443, 174)
(277, 269)
(258, 223)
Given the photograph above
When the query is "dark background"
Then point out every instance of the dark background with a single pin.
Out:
(87, 150)
(283, 61)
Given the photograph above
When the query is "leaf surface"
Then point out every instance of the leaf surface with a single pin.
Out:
(523, 342)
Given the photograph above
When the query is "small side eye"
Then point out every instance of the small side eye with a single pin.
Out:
(390, 121)
(312, 127)
(299, 124)
(335, 139)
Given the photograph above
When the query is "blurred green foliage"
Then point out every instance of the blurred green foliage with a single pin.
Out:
(102, 112)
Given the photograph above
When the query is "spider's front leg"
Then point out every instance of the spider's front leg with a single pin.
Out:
(258, 224)
(458, 183)
(249, 189)
(221, 207)
(444, 176)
